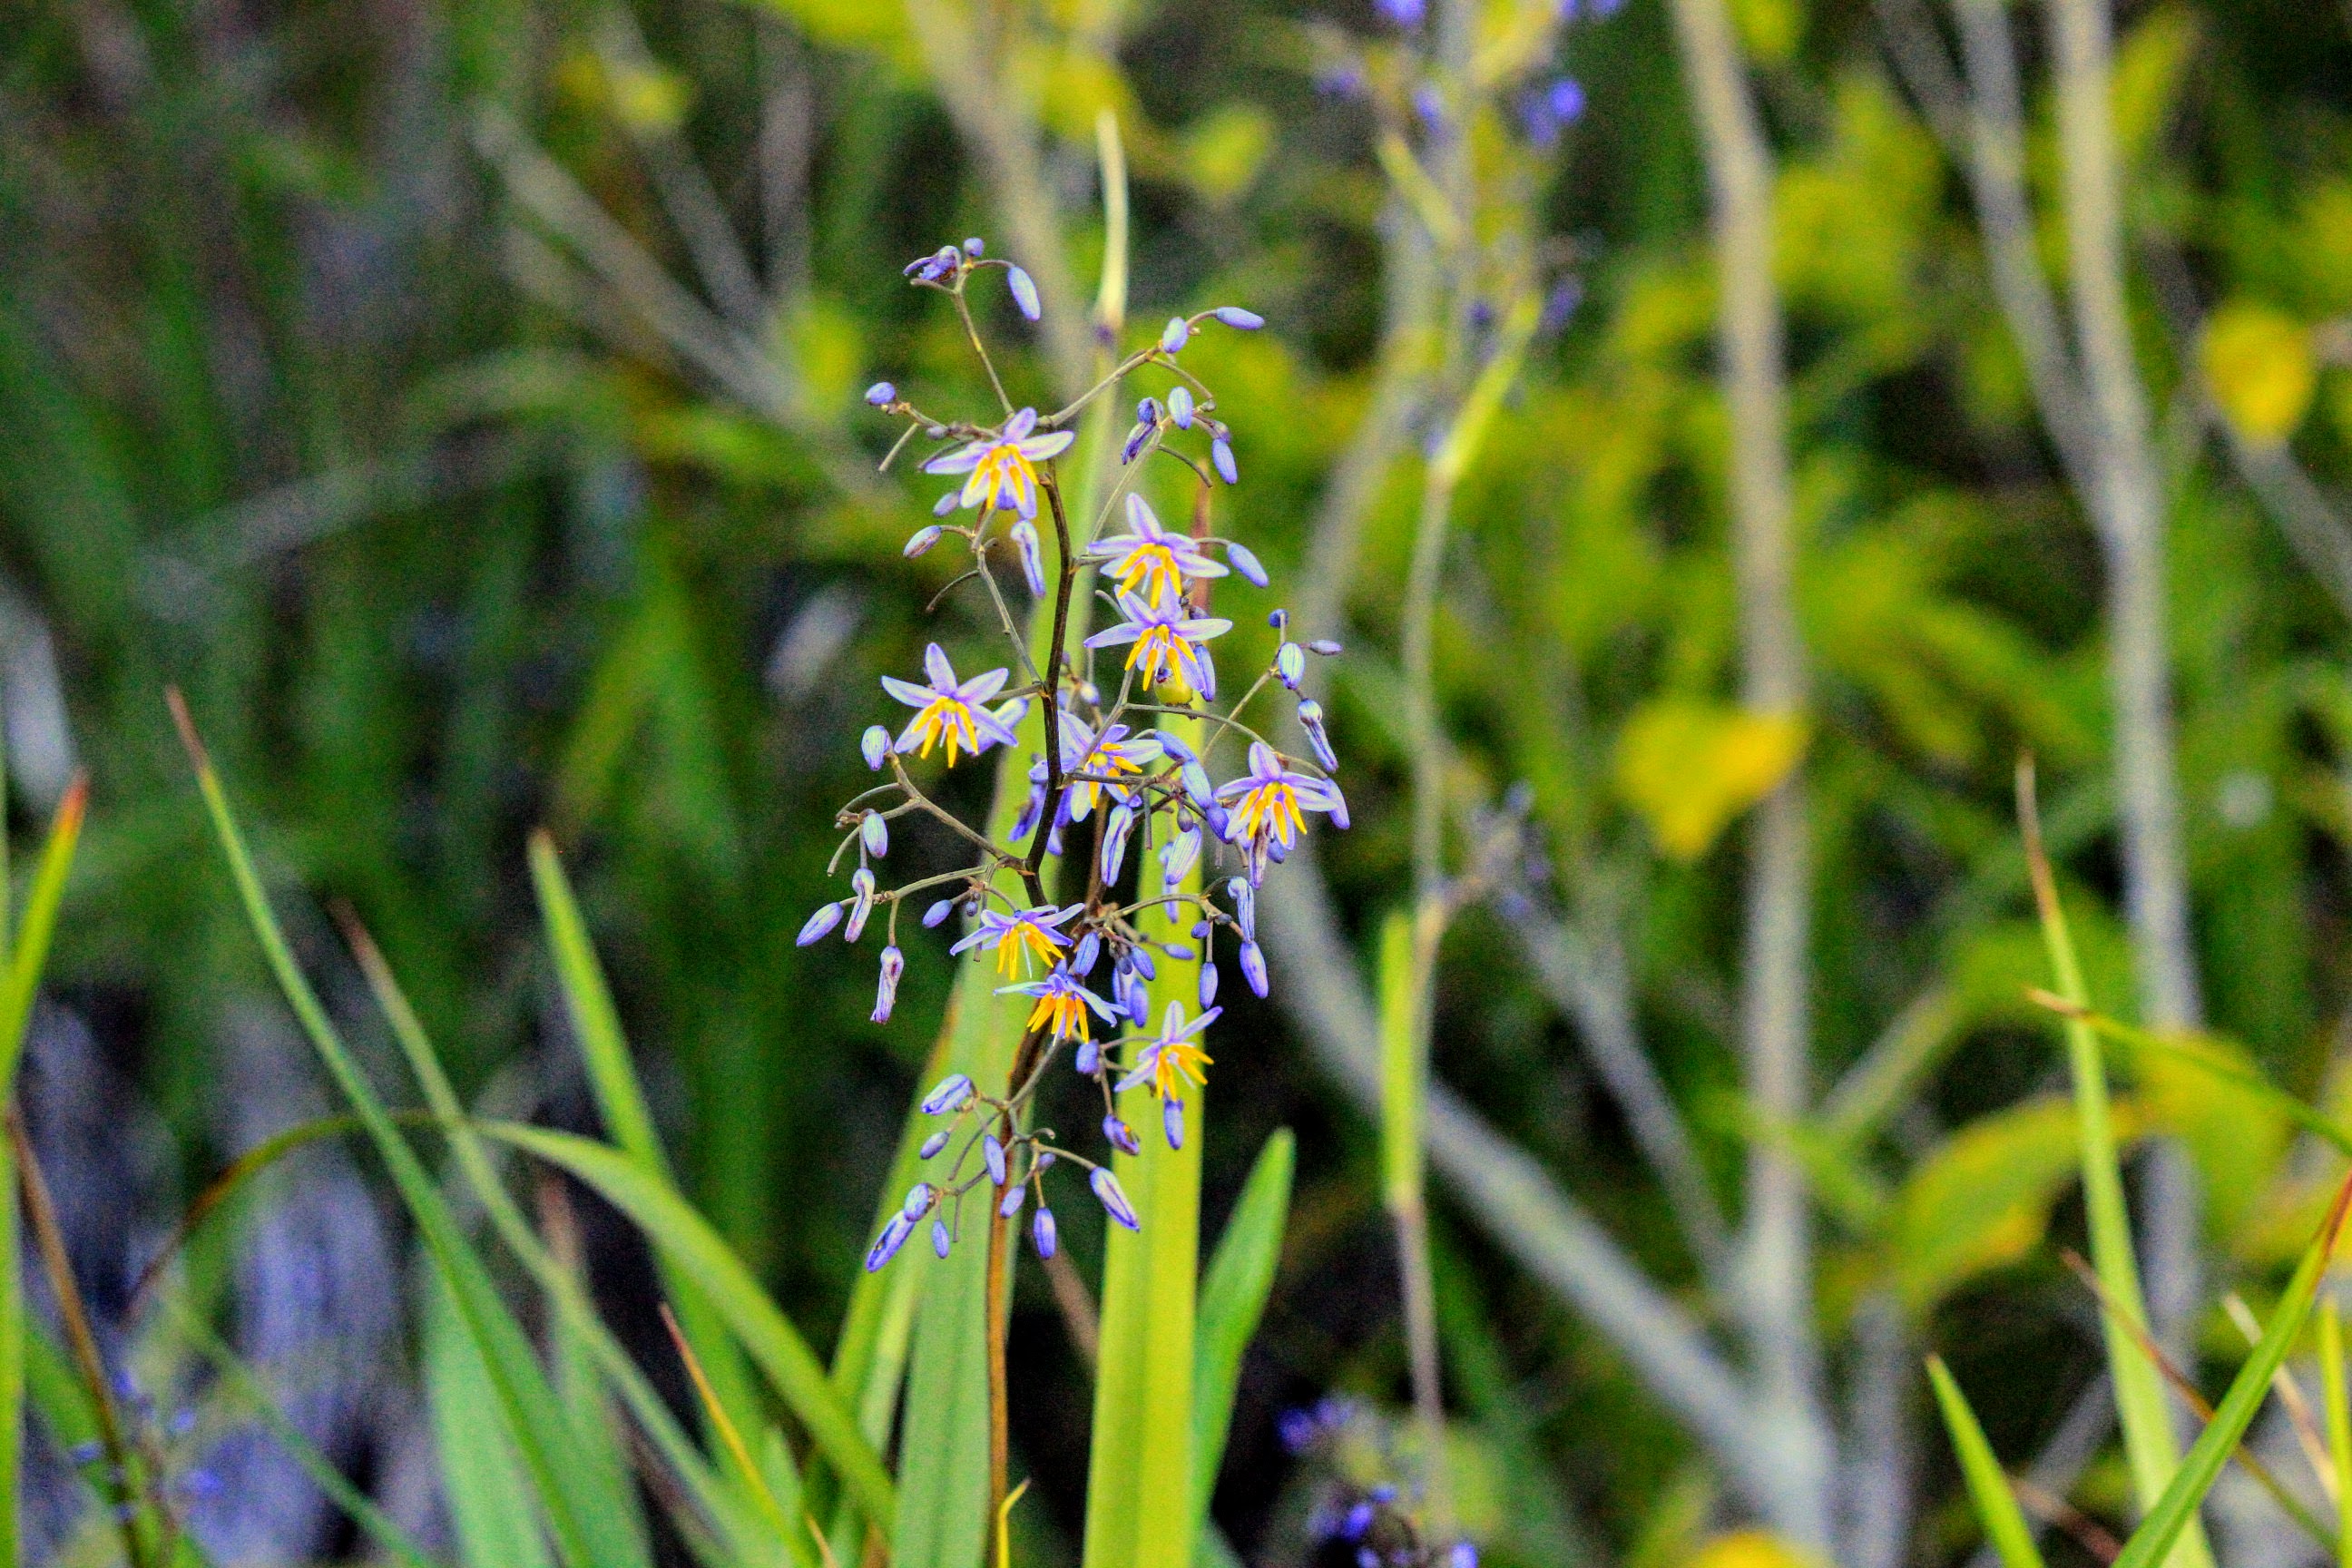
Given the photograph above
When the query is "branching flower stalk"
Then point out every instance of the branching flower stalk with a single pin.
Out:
(1119, 787)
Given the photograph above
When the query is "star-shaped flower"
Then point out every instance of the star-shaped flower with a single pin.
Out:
(1020, 938)
(1173, 1056)
(1003, 468)
(1062, 1003)
(1108, 754)
(1168, 643)
(1268, 803)
(1151, 560)
(949, 710)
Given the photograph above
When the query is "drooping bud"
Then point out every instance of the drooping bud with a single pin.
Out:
(923, 538)
(885, 1245)
(1025, 292)
(1175, 335)
(1245, 562)
(818, 924)
(885, 988)
(881, 393)
(920, 1199)
(1172, 1121)
(1290, 664)
(942, 1238)
(1254, 967)
(1040, 1231)
(875, 745)
(938, 912)
(861, 905)
(1014, 1196)
(874, 834)
(1120, 1136)
(1208, 984)
(933, 1144)
(1116, 830)
(954, 1093)
(1180, 406)
(1221, 457)
(1032, 560)
(1237, 317)
(1310, 719)
(1324, 646)
(1113, 1197)
(992, 1155)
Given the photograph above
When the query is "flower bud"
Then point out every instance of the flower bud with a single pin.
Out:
(975, 247)
(1040, 1231)
(818, 924)
(992, 1155)
(1172, 1121)
(954, 1093)
(1147, 411)
(1112, 1197)
(1208, 984)
(947, 503)
(1141, 960)
(881, 393)
(1025, 292)
(1310, 719)
(1245, 562)
(1082, 961)
(933, 1144)
(942, 1237)
(922, 539)
(1176, 857)
(1116, 830)
(1033, 562)
(1234, 316)
(1244, 897)
(920, 1199)
(1221, 457)
(1290, 664)
(861, 906)
(1325, 646)
(938, 912)
(1180, 406)
(1135, 999)
(874, 745)
(1180, 952)
(886, 989)
(1254, 967)
(874, 834)
(1120, 1136)
(1175, 335)
(885, 1245)
(1014, 1196)
(1088, 1058)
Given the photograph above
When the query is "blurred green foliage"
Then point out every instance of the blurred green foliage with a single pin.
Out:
(322, 396)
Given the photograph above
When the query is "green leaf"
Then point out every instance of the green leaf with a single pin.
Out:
(590, 1528)
(1981, 1199)
(488, 1493)
(2149, 1447)
(687, 1240)
(1141, 1478)
(2176, 1511)
(621, 1101)
(26, 957)
(1989, 1490)
(1233, 1301)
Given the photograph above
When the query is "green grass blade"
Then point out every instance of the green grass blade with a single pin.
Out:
(577, 1317)
(484, 1485)
(1988, 1489)
(605, 1050)
(690, 1241)
(2339, 1424)
(2150, 1449)
(1139, 1475)
(589, 1529)
(1233, 1301)
(27, 958)
(2175, 1512)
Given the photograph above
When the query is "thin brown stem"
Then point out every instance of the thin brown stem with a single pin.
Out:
(51, 1242)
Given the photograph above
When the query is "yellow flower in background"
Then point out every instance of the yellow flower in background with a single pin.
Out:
(2259, 364)
(1689, 767)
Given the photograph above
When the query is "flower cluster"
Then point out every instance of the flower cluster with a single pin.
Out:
(1367, 1519)
(1107, 875)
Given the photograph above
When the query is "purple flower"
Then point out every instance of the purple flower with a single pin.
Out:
(1150, 560)
(1120, 1136)
(949, 710)
(1401, 13)
(1267, 805)
(1549, 110)
(1174, 1057)
(1019, 938)
(1310, 719)
(1002, 467)
(861, 903)
(1167, 641)
(1062, 1005)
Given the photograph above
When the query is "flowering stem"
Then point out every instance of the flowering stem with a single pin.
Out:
(1057, 660)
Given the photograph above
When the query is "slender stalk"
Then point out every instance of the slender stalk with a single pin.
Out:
(1774, 1023)
(50, 1241)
